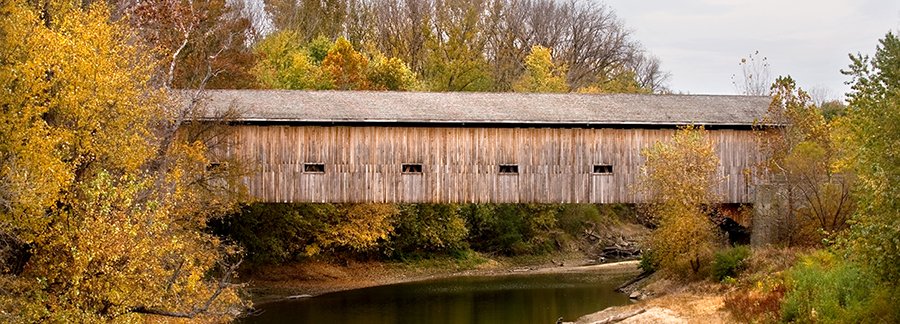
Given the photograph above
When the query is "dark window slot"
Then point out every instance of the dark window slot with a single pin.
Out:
(509, 168)
(603, 169)
(314, 168)
(411, 168)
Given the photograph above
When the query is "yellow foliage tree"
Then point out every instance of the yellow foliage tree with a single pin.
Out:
(390, 73)
(102, 214)
(678, 180)
(358, 227)
(541, 74)
(284, 64)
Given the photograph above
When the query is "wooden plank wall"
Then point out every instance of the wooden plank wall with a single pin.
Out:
(363, 164)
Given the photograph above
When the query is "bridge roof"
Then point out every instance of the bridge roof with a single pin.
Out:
(293, 106)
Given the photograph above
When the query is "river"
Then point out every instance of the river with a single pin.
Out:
(520, 298)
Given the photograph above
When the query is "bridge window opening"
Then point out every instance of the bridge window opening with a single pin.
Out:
(314, 168)
(603, 169)
(411, 168)
(509, 169)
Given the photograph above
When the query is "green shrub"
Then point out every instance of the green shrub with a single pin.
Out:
(825, 288)
(513, 229)
(575, 218)
(648, 262)
(428, 228)
(273, 233)
(729, 262)
(494, 228)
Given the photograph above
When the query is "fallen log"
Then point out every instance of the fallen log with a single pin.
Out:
(639, 277)
(620, 317)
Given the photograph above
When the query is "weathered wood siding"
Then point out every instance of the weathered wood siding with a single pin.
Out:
(363, 164)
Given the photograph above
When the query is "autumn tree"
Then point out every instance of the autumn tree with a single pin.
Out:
(197, 42)
(678, 180)
(357, 227)
(874, 135)
(803, 168)
(323, 65)
(346, 66)
(284, 64)
(318, 48)
(455, 60)
(390, 73)
(459, 45)
(639, 74)
(103, 210)
(541, 73)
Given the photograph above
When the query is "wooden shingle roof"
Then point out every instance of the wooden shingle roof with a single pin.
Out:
(290, 106)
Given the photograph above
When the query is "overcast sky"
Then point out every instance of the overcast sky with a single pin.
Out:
(701, 42)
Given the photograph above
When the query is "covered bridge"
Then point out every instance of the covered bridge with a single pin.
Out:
(349, 146)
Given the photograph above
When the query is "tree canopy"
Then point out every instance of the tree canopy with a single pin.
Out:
(456, 45)
(678, 179)
(102, 205)
(874, 109)
(541, 73)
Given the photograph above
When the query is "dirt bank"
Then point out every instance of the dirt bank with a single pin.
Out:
(675, 308)
(315, 278)
(664, 300)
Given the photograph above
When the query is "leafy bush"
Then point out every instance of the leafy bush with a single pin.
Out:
(513, 229)
(648, 262)
(495, 228)
(424, 228)
(575, 218)
(273, 233)
(825, 288)
(730, 262)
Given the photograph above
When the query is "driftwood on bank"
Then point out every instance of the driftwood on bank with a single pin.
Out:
(620, 317)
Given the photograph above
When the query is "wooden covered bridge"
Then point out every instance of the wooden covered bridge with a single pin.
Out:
(348, 146)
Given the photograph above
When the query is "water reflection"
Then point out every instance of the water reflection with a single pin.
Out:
(540, 298)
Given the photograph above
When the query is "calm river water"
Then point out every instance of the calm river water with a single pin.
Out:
(532, 298)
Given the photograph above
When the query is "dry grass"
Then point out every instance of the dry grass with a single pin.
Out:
(761, 305)
(769, 260)
(757, 294)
